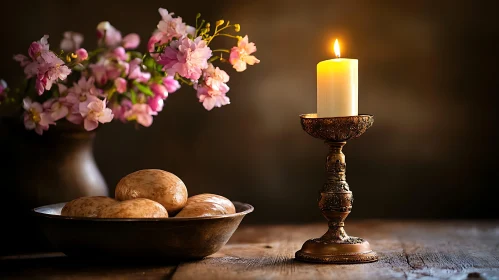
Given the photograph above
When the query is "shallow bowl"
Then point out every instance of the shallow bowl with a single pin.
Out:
(176, 239)
(336, 129)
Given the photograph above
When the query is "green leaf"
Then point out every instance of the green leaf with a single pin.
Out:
(133, 96)
(135, 54)
(149, 62)
(146, 90)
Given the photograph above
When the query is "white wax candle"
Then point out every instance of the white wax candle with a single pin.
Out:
(337, 87)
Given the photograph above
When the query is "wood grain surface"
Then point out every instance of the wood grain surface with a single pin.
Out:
(408, 250)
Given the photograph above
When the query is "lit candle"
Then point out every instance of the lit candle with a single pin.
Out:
(337, 85)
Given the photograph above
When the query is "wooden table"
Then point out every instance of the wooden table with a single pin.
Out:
(408, 250)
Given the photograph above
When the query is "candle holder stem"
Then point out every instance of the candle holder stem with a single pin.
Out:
(335, 197)
(335, 201)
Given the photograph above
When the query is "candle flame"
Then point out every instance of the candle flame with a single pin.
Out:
(337, 48)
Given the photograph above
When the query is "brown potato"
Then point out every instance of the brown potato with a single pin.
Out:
(158, 185)
(88, 206)
(134, 208)
(213, 198)
(201, 209)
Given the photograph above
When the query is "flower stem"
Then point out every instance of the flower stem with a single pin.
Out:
(185, 81)
(228, 35)
(217, 32)
(221, 50)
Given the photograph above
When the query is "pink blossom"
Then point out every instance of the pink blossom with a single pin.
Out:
(156, 103)
(95, 112)
(48, 74)
(3, 87)
(212, 92)
(145, 77)
(120, 53)
(131, 41)
(107, 69)
(135, 72)
(120, 85)
(107, 34)
(171, 84)
(99, 72)
(142, 113)
(40, 85)
(186, 57)
(155, 38)
(62, 89)
(34, 116)
(82, 54)
(31, 69)
(172, 27)
(49, 58)
(56, 109)
(211, 99)
(36, 48)
(35, 51)
(22, 59)
(44, 64)
(73, 115)
(119, 110)
(50, 71)
(71, 41)
(169, 28)
(82, 92)
(159, 90)
(215, 78)
(113, 70)
(241, 54)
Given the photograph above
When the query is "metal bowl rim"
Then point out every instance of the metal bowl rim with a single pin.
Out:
(249, 209)
(312, 116)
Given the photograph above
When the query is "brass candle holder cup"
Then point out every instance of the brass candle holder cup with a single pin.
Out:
(335, 198)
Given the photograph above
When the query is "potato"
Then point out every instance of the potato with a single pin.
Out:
(134, 208)
(158, 185)
(201, 209)
(213, 198)
(88, 206)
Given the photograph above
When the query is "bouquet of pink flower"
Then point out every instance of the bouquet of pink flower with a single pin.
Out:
(116, 82)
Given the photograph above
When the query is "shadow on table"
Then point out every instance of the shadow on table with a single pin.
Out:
(57, 264)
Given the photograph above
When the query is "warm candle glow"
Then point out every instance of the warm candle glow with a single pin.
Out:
(337, 86)
(337, 48)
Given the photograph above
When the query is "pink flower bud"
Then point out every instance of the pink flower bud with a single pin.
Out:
(107, 34)
(120, 53)
(156, 103)
(131, 41)
(82, 54)
(35, 49)
(120, 84)
(144, 77)
(159, 90)
(171, 84)
(102, 27)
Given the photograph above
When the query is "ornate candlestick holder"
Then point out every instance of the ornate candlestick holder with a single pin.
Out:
(335, 198)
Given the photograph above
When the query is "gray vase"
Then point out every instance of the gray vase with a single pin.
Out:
(55, 167)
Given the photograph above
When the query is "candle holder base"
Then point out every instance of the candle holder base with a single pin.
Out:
(352, 250)
(335, 198)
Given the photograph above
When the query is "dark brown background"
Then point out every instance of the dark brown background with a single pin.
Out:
(428, 72)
